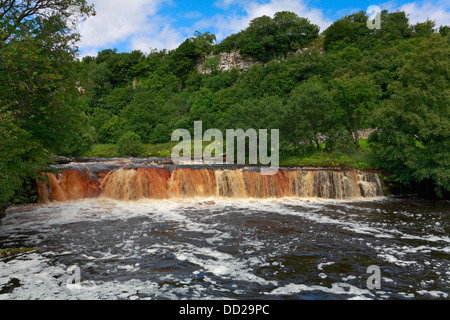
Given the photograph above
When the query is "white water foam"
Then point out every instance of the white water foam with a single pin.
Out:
(40, 279)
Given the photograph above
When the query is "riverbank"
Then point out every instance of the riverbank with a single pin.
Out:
(3, 208)
(358, 160)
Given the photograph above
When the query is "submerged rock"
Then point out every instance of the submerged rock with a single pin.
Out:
(61, 160)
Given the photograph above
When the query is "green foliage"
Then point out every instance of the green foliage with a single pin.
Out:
(123, 67)
(39, 97)
(424, 29)
(268, 38)
(356, 97)
(257, 113)
(184, 59)
(358, 160)
(346, 31)
(211, 64)
(117, 99)
(152, 115)
(103, 151)
(413, 141)
(319, 100)
(130, 145)
(352, 31)
(444, 30)
(394, 79)
(308, 114)
(20, 157)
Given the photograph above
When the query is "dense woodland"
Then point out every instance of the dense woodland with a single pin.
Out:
(395, 79)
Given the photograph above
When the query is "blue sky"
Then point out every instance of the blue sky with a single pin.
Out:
(163, 24)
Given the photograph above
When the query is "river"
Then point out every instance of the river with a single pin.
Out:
(217, 248)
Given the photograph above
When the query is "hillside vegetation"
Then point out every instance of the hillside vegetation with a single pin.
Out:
(350, 78)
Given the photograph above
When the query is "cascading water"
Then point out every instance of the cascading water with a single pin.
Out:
(133, 183)
(72, 184)
(222, 232)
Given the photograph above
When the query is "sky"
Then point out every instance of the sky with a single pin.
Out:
(164, 24)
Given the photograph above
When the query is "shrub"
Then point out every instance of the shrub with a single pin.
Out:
(130, 145)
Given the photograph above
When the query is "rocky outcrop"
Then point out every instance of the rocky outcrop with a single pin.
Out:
(227, 61)
(362, 134)
(365, 134)
(61, 160)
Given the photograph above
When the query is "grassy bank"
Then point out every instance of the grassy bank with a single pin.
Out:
(358, 160)
(149, 150)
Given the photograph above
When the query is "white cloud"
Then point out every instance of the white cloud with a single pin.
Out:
(165, 37)
(134, 22)
(227, 24)
(433, 10)
(138, 24)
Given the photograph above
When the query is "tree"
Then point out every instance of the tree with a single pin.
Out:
(258, 113)
(352, 31)
(384, 66)
(308, 64)
(394, 26)
(20, 156)
(424, 29)
(212, 64)
(36, 55)
(118, 99)
(266, 38)
(130, 145)
(345, 31)
(293, 32)
(151, 115)
(201, 108)
(18, 17)
(203, 43)
(413, 140)
(184, 59)
(37, 87)
(308, 113)
(123, 67)
(444, 30)
(355, 97)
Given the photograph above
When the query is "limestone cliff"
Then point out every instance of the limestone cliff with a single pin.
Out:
(226, 61)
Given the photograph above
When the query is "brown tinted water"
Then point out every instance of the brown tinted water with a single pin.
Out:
(140, 231)
(240, 249)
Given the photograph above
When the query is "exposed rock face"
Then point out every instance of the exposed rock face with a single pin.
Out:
(228, 61)
(61, 160)
(364, 134)
(234, 59)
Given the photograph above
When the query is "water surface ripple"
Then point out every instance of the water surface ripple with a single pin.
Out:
(222, 249)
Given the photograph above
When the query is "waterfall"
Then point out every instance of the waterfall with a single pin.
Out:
(69, 185)
(130, 184)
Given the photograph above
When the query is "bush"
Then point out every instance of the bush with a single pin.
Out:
(130, 145)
